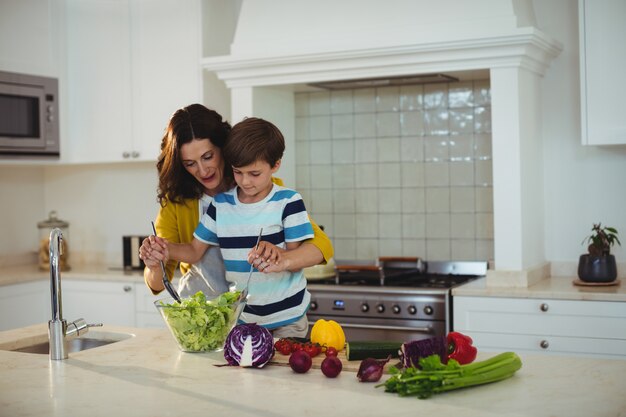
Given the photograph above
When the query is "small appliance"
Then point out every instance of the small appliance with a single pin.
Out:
(131, 246)
(29, 115)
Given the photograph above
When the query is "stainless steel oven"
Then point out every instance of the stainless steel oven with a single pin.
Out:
(396, 299)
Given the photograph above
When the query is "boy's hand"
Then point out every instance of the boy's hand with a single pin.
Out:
(153, 250)
(265, 256)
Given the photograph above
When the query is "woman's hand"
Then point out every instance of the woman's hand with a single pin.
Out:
(265, 257)
(153, 250)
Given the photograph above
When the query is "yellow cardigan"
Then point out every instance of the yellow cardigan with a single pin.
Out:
(176, 223)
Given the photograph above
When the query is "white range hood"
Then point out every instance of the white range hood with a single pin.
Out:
(282, 43)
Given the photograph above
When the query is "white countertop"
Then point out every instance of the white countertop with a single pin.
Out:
(25, 273)
(147, 375)
(550, 288)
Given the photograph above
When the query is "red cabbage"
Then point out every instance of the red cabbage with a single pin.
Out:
(249, 345)
(411, 352)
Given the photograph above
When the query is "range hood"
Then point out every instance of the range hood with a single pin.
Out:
(385, 82)
(282, 43)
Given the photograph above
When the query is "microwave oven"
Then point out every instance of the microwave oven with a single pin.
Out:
(29, 115)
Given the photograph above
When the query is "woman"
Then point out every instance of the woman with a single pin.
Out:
(192, 171)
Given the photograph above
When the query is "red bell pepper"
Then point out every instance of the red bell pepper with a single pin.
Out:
(460, 348)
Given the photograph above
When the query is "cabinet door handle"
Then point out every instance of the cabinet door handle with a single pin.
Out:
(544, 344)
(135, 154)
(128, 288)
(544, 307)
(125, 155)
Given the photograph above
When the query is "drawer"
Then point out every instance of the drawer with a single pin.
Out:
(608, 348)
(588, 319)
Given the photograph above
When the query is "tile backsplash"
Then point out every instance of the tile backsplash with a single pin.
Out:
(402, 170)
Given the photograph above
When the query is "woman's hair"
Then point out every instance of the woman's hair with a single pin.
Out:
(194, 122)
(254, 139)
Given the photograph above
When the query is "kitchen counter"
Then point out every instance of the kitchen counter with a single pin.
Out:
(26, 273)
(561, 288)
(146, 375)
(554, 288)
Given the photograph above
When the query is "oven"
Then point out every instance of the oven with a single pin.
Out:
(391, 299)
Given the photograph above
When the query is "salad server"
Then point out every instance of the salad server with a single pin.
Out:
(166, 282)
(244, 292)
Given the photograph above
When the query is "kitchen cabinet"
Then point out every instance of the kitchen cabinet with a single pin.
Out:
(130, 65)
(602, 62)
(146, 313)
(593, 328)
(24, 304)
(99, 301)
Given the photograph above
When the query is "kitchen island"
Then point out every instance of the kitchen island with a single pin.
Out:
(146, 375)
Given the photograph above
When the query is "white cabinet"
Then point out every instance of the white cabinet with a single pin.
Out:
(110, 303)
(24, 304)
(602, 63)
(130, 65)
(596, 328)
(30, 37)
(146, 313)
(99, 100)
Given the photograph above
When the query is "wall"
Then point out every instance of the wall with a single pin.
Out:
(583, 184)
(22, 205)
(102, 203)
(399, 170)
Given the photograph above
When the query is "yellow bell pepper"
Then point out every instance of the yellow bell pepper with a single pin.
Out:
(328, 333)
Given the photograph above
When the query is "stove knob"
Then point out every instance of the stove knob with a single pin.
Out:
(365, 308)
(428, 310)
(396, 309)
(313, 305)
(380, 308)
(412, 310)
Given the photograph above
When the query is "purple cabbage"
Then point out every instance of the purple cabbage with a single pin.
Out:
(411, 352)
(249, 345)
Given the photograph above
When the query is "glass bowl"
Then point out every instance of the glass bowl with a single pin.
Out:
(200, 323)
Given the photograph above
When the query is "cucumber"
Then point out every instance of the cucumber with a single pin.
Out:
(368, 349)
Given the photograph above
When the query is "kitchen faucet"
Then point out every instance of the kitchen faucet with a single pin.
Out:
(59, 332)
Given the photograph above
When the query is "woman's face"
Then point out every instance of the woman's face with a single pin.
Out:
(204, 161)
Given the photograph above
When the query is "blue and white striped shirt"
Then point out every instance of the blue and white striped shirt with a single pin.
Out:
(275, 299)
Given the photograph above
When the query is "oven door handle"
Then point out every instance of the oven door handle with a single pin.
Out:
(426, 329)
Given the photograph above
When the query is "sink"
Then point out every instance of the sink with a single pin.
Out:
(89, 341)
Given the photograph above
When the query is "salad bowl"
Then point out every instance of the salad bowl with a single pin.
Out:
(200, 323)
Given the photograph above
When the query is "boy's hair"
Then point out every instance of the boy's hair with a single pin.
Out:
(254, 139)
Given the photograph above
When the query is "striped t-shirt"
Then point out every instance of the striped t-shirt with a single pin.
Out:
(275, 299)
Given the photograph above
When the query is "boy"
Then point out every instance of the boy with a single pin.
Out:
(233, 220)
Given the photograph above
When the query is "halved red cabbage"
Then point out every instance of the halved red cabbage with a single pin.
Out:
(411, 352)
(249, 345)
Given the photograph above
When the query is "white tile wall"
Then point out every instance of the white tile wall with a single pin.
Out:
(399, 170)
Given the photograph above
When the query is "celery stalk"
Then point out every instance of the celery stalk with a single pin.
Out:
(435, 377)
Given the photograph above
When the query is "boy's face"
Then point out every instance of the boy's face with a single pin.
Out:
(254, 180)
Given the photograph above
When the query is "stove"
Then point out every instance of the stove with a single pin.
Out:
(393, 299)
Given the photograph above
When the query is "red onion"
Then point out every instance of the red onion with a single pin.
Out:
(371, 370)
(300, 361)
(331, 366)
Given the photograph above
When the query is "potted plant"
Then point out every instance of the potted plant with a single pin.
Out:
(598, 265)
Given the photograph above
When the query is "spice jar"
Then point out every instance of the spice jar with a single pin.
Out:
(45, 227)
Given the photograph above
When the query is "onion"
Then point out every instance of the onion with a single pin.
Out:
(331, 366)
(300, 361)
(371, 370)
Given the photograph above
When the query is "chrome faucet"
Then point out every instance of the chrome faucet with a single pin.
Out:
(59, 332)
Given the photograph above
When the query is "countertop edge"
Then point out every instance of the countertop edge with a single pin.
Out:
(560, 288)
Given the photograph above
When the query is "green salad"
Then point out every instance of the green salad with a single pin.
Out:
(201, 325)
